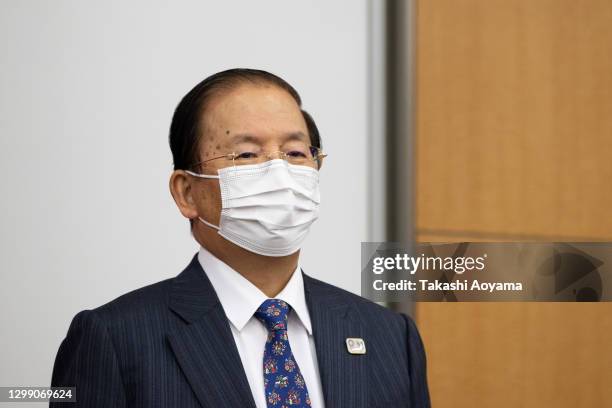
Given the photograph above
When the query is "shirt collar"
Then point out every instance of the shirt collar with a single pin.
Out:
(240, 298)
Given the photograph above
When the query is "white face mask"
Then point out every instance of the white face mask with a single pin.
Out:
(267, 208)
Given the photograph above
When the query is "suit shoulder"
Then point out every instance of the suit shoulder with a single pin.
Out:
(147, 299)
(365, 307)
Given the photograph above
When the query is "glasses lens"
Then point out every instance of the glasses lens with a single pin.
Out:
(296, 153)
(246, 157)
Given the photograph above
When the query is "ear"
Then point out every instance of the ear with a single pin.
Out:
(181, 188)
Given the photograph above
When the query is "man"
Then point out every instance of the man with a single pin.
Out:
(242, 325)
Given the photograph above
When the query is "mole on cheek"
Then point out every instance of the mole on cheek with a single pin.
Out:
(218, 147)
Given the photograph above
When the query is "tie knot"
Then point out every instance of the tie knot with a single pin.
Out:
(273, 314)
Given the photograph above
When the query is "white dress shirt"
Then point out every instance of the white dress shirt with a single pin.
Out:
(240, 299)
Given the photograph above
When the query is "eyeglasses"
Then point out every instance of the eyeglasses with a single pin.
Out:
(306, 156)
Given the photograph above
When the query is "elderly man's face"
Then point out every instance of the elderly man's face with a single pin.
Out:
(250, 118)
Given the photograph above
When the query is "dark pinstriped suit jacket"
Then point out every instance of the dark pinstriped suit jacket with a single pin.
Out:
(170, 345)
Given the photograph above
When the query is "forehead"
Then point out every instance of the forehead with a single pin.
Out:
(264, 111)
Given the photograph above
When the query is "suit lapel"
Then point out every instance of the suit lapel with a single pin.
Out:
(203, 344)
(343, 375)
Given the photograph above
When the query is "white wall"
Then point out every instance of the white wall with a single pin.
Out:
(87, 90)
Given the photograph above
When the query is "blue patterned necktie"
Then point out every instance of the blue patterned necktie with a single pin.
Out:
(285, 387)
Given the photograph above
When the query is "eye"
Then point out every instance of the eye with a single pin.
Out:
(296, 153)
(246, 155)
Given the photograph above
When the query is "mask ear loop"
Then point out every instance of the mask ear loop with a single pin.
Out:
(208, 223)
(206, 176)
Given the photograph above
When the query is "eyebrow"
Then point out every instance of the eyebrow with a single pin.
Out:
(250, 138)
(299, 135)
(244, 138)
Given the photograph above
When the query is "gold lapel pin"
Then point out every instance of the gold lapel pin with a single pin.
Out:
(355, 345)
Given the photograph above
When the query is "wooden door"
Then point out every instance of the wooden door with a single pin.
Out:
(514, 142)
